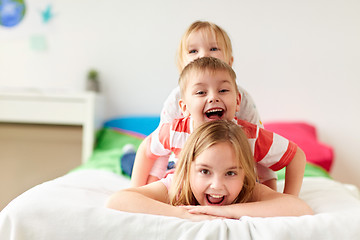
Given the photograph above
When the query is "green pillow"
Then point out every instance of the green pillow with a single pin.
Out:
(311, 170)
(109, 150)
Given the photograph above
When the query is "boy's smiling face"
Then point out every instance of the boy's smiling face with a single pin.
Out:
(209, 96)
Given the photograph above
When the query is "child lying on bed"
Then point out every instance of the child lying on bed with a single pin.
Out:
(215, 178)
(209, 92)
(201, 39)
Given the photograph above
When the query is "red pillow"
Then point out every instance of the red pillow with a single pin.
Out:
(304, 135)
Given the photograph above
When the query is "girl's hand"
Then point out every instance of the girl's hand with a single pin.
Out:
(197, 216)
(201, 217)
(213, 212)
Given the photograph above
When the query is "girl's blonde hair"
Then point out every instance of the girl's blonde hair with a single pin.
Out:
(201, 65)
(221, 37)
(205, 136)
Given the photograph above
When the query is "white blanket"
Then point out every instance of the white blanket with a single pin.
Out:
(72, 207)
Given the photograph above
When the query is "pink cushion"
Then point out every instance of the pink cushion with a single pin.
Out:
(304, 135)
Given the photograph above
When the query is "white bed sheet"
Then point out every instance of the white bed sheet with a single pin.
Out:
(72, 207)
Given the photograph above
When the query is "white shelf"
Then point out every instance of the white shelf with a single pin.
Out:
(53, 108)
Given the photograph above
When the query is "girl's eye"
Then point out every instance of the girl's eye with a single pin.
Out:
(214, 49)
(200, 92)
(204, 171)
(231, 173)
(193, 51)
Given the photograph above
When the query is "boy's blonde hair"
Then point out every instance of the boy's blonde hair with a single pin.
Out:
(205, 136)
(201, 65)
(221, 37)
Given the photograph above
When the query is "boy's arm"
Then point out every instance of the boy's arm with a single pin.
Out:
(267, 176)
(294, 173)
(267, 140)
(271, 183)
(266, 203)
(142, 165)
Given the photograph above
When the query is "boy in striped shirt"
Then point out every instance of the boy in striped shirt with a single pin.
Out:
(209, 92)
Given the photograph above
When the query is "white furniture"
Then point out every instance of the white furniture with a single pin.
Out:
(53, 108)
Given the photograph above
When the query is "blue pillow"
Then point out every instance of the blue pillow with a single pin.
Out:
(144, 125)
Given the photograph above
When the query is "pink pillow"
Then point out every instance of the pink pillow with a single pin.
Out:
(304, 135)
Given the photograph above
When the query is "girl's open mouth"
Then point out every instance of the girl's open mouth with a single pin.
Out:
(215, 199)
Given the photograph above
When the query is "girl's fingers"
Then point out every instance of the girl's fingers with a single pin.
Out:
(205, 210)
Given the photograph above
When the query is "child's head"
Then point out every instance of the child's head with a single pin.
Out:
(208, 91)
(216, 166)
(204, 39)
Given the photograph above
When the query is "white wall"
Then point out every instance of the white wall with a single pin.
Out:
(300, 60)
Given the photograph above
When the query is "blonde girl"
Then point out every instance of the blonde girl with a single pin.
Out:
(209, 135)
(215, 178)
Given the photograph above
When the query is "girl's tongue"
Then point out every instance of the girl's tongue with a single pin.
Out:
(215, 199)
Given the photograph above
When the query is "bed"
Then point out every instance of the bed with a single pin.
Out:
(72, 206)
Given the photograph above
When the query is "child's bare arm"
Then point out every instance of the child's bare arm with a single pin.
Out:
(266, 203)
(151, 199)
(271, 183)
(142, 166)
(267, 176)
(294, 173)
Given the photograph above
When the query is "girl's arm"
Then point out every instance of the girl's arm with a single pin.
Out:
(294, 173)
(151, 199)
(265, 203)
(142, 166)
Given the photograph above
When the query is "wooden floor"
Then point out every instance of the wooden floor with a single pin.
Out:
(32, 154)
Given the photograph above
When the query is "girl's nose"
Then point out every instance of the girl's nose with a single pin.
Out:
(217, 183)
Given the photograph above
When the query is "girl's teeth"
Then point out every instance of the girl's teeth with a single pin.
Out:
(216, 196)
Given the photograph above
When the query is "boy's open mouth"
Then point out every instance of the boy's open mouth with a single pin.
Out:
(215, 113)
(215, 199)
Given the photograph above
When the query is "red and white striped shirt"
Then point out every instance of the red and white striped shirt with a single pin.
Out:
(270, 149)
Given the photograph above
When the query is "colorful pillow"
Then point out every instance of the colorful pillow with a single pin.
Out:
(143, 125)
(117, 142)
(304, 135)
(136, 127)
(111, 146)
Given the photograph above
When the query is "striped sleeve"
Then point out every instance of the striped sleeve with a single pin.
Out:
(158, 142)
(168, 138)
(270, 149)
(179, 134)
